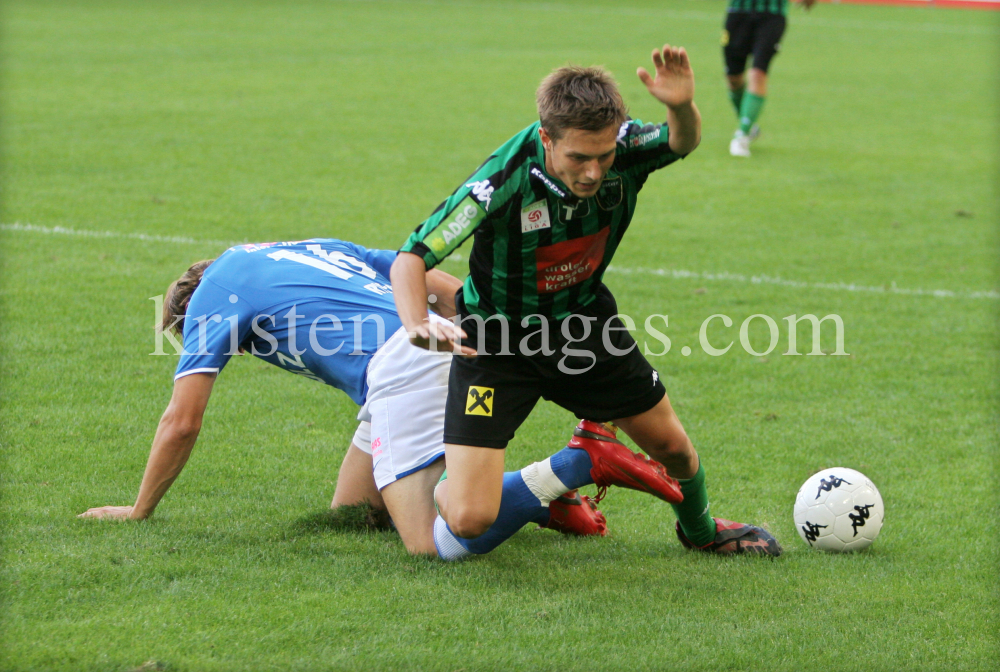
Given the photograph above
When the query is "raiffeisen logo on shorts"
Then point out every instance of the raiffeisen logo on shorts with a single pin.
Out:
(455, 228)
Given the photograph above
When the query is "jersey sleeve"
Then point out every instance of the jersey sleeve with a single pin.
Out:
(643, 148)
(214, 328)
(380, 260)
(484, 195)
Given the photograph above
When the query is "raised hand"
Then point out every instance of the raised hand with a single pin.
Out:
(674, 82)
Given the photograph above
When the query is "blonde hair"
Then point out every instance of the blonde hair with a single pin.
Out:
(178, 296)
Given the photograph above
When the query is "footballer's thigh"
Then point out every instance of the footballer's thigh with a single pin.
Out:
(355, 482)
(410, 501)
(660, 433)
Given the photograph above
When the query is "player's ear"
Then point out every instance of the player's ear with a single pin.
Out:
(546, 138)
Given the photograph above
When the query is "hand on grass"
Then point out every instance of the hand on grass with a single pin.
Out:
(674, 82)
(108, 513)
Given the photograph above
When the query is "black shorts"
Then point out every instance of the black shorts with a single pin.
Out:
(490, 395)
(746, 33)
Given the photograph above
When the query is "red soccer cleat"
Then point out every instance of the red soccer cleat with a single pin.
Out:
(576, 514)
(615, 464)
(735, 539)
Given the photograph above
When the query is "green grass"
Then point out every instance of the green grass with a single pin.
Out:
(274, 121)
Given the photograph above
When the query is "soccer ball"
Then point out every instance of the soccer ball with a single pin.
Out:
(838, 510)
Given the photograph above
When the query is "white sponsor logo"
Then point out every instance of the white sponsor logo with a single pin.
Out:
(548, 183)
(535, 216)
(642, 139)
(460, 223)
(483, 191)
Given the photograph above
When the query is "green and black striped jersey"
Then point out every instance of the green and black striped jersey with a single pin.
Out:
(759, 6)
(539, 251)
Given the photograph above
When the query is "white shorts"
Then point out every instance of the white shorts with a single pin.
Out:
(402, 421)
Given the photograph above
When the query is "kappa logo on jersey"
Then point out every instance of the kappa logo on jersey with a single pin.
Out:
(535, 217)
(483, 191)
(480, 401)
(570, 262)
(540, 176)
(450, 233)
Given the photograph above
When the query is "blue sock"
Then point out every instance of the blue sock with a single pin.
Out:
(519, 506)
(572, 466)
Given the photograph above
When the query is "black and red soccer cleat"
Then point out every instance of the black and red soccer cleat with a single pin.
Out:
(614, 464)
(576, 514)
(736, 538)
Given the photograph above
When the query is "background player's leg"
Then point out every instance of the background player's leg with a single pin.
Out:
(410, 501)
(470, 499)
(737, 85)
(659, 432)
(355, 483)
(753, 100)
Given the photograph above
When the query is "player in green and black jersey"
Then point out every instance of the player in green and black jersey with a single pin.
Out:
(752, 27)
(548, 211)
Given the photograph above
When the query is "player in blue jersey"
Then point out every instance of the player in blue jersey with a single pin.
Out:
(323, 309)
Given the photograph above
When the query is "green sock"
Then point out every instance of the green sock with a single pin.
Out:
(696, 522)
(750, 110)
(737, 98)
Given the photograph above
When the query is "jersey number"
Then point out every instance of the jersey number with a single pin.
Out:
(335, 263)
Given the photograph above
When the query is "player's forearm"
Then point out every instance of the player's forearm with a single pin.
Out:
(442, 287)
(684, 122)
(409, 289)
(171, 449)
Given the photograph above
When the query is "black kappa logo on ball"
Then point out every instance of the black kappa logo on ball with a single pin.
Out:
(827, 486)
(811, 531)
(858, 519)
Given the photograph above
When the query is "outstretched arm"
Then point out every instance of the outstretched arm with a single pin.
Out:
(674, 87)
(409, 288)
(175, 437)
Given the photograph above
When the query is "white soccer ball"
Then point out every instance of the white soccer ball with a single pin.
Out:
(839, 510)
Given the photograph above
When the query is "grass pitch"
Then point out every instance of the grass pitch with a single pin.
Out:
(213, 123)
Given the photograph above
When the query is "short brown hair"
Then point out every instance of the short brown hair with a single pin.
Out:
(576, 97)
(178, 296)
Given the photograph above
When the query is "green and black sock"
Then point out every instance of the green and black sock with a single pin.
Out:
(737, 98)
(750, 109)
(696, 522)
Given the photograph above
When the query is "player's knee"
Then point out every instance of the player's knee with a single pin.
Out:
(469, 523)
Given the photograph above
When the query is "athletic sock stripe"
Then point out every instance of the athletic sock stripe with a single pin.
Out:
(447, 544)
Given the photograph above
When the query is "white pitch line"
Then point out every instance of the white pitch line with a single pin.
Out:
(63, 231)
(676, 274)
